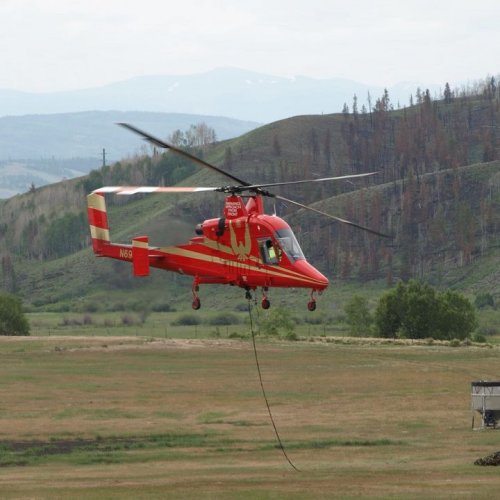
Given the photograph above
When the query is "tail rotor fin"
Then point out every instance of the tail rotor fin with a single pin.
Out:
(98, 221)
(140, 257)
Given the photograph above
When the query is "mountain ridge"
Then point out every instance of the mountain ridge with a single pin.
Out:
(230, 92)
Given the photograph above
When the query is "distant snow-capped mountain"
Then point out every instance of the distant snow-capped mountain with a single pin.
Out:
(231, 92)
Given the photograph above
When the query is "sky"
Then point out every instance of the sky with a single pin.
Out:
(54, 45)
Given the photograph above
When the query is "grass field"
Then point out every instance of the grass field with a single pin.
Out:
(136, 417)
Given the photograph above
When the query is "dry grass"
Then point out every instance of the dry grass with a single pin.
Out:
(185, 419)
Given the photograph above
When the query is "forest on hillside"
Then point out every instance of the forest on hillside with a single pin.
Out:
(437, 191)
(441, 212)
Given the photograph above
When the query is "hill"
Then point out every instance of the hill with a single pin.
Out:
(438, 193)
(42, 149)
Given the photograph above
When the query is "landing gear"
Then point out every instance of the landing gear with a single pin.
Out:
(311, 305)
(266, 303)
(196, 304)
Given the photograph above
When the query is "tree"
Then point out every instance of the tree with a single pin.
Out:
(358, 316)
(415, 310)
(12, 318)
(447, 94)
(276, 321)
(457, 316)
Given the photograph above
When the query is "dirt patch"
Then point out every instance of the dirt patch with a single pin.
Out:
(70, 343)
(155, 343)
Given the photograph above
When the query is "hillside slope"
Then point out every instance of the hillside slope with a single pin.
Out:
(40, 149)
(440, 203)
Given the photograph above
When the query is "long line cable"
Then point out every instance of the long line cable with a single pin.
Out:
(264, 391)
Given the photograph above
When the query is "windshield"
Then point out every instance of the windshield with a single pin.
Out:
(289, 244)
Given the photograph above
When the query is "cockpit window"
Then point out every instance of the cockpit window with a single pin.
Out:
(289, 244)
(267, 251)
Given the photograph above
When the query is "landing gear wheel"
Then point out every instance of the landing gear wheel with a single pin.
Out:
(196, 303)
(248, 295)
(266, 304)
(311, 305)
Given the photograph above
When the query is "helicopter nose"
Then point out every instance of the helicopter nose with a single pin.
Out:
(318, 281)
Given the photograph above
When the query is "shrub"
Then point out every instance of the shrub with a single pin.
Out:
(358, 316)
(186, 320)
(87, 319)
(316, 319)
(488, 330)
(215, 333)
(236, 335)
(90, 307)
(484, 300)
(12, 318)
(479, 338)
(162, 307)
(128, 320)
(277, 321)
(224, 319)
(415, 310)
(457, 317)
(292, 336)
(241, 307)
(143, 315)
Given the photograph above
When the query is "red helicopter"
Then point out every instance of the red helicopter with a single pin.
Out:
(245, 247)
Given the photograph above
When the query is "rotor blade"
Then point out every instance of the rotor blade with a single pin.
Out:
(338, 219)
(162, 144)
(128, 190)
(353, 176)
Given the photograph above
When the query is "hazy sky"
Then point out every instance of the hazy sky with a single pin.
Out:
(50, 45)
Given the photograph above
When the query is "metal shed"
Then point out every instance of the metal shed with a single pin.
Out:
(486, 400)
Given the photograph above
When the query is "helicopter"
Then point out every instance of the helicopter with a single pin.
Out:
(245, 247)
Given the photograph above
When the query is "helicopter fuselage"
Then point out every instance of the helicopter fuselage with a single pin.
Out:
(245, 247)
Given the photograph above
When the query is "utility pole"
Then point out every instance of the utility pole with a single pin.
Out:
(103, 157)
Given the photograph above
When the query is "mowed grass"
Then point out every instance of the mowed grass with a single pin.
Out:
(127, 417)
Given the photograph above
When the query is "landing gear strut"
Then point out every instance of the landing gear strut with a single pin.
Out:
(266, 304)
(196, 304)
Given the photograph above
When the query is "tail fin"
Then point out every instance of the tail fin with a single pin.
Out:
(140, 255)
(98, 220)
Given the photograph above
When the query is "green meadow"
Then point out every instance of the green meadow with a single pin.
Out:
(151, 416)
